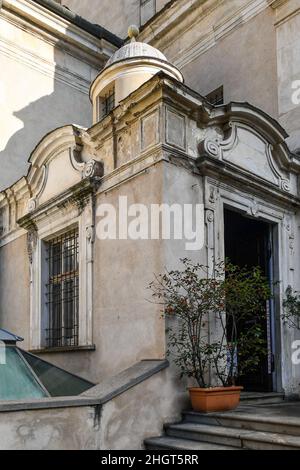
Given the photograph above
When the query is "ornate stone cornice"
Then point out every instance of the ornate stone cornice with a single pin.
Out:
(77, 196)
(278, 3)
(239, 178)
(40, 192)
(285, 10)
(159, 89)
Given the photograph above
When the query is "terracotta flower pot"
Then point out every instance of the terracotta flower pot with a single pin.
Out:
(215, 399)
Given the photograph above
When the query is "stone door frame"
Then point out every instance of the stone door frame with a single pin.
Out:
(219, 195)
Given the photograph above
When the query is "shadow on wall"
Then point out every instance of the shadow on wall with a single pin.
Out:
(115, 15)
(66, 103)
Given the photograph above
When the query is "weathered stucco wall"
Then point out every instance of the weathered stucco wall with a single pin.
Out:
(123, 270)
(127, 326)
(14, 288)
(115, 15)
(288, 44)
(142, 412)
(119, 414)
(243, 61)
(52, 429)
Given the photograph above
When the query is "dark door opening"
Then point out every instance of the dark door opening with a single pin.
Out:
(248, 242)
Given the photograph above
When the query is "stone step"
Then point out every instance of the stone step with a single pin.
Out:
(241, 438)
(173, 443)
(249, 418)
(261, 398)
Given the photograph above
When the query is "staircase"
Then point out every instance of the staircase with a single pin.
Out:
(261, 427)
(261, 398)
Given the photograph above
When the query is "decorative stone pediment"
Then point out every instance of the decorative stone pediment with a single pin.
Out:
(252, 146)
(59, 171)
(251, 153)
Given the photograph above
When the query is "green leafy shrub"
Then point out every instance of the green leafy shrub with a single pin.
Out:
(218, 333)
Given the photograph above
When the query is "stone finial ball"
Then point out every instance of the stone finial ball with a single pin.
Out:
(133, 31)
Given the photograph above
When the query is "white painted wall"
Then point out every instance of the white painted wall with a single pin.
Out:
(44, 84)
(116, 15)
(288, 65)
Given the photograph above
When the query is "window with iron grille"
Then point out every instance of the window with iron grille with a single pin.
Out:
(62, 290)
(216, 97)
(108, 103)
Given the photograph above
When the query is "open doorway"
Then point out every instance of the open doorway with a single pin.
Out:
(248, 242)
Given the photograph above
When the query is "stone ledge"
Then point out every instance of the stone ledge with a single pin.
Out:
(91, 347)
(97, 395)
(125, 380)
(285, 10)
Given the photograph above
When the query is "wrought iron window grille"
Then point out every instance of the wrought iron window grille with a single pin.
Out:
(62, 290)
(108, 103)
(216, 97)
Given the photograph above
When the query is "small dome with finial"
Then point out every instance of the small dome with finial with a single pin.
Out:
(128, 68)
(135, 49)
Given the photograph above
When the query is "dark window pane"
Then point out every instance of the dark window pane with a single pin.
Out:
(55, 256)
(62, 290)
(216, 97)
(108, 103)
(58, 382)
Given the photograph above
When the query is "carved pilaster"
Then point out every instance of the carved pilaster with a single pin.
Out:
(289, 248)
(210, 238)
(32, 238)
(285, 185)
(32, 205)
(254, 209)
(90, 233)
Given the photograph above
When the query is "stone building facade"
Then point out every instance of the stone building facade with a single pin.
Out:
(155, 139)
(246, 47)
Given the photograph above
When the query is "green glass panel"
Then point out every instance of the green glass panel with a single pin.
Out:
(16, 379)
(58, 382)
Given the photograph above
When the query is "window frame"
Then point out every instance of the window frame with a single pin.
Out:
(215, 93)
(60, 278)
(61, 222)
(103, 108)
(108, 102)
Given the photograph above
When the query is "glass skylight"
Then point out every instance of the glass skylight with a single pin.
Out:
(16, 379)
(26, 376)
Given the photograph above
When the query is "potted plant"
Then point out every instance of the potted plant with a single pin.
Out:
(204, 338)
